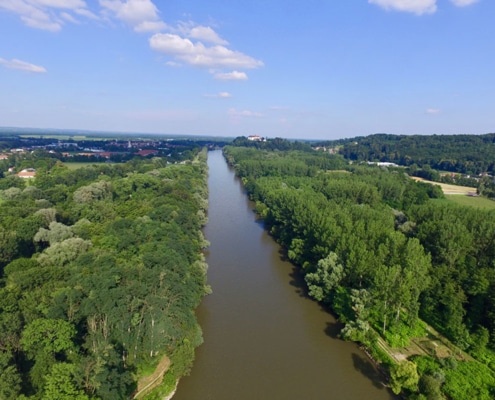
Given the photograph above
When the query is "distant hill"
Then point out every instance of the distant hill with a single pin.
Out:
(468, 154)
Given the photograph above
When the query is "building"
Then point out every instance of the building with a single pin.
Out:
(28, 173)
(255, 138)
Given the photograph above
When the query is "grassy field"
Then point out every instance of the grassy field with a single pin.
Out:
(77, 165)
(459, 195)
(448, 189)
(479, 202)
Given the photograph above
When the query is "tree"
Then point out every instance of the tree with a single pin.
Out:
(60, 384)
(48, 336)
(55, 233)
(404, 376)
(357, 330)
(327, 276)
(62, 253)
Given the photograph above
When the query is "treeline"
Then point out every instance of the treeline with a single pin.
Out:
(466, 154)
(101, 270)
(385, 252)
(272, 144)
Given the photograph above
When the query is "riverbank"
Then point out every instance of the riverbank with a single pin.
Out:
(257, 322)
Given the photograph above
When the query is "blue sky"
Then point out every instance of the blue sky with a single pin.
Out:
(314, 69)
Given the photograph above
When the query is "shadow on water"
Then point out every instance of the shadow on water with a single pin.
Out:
(369, 370)
(298, 282)
(333, 329)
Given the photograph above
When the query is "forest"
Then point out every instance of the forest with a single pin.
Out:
(389, 256)
(101, 269)
(466, 154)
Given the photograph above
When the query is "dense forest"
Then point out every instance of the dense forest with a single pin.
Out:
(467, 154)
(385, 253)
(101, 269)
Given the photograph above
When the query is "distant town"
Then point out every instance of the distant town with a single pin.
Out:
(93, 150)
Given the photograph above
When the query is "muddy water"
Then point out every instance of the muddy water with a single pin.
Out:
(263, 339)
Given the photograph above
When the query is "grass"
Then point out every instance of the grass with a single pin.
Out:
(478, 202)
(459, 195)
(77, 165)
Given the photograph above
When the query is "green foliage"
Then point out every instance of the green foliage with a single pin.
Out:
(470, 154)
(430, 387)
(102, 269)
(374, 265)
(469, 380)
(48, 336)
(404, 376)
(327, 276)
(60, 384)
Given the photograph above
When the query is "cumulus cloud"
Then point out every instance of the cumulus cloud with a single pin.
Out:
(45, 14)
(191, 30)
(199, 55)
(142, 15)
(205, 34)
(231, 76)
(245, 113)
(418, 7)
(433, 111)
(22, 66)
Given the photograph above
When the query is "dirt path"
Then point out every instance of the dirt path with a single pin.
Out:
(148, 383)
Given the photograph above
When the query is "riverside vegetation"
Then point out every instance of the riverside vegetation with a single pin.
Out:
(387, 255)
(101, 270)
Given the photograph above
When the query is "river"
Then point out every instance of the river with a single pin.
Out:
(263, 338)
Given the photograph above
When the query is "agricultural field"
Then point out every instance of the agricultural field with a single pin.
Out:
(460, 195)
(449, 189)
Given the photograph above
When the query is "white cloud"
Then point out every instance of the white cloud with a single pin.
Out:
(68, 17)
(463, 3)
(69, 4)
(150, 26)
(22, 65)
(245, 113)
(206, 34)
(199, 55)
(142, 15)
(231, 76)
(43, 14)
(202, 33)
(418, 7)
(221, 95)
(86, 13)
(433, 111)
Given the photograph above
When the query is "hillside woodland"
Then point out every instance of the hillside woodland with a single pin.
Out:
(101, 270)
(467, 154)
(386, 254)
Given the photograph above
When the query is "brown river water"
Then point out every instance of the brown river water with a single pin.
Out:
(263, 338)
